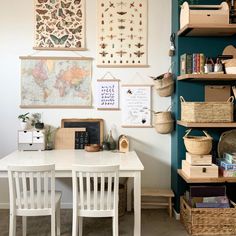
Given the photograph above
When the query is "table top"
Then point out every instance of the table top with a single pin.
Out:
(64, 159)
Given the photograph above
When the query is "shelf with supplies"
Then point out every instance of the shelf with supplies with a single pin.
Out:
(206, 180)
(214, 30)
(208, 77)
(207, 125)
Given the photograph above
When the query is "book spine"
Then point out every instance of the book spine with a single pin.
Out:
(194, 63)
(189, 64)
(183, 61)
(202, 63)
(198, 63)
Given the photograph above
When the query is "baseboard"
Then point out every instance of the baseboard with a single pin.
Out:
(64, 205)
(177, 215)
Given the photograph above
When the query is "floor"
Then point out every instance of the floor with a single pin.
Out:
(154, 223)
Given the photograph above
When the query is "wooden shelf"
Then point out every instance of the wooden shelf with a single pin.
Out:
(206, 180)
(206, 125)
(208, 30)
(208, 77)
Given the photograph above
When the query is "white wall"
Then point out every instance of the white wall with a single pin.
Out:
(16, 31)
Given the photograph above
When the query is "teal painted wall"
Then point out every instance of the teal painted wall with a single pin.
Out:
(191, 91)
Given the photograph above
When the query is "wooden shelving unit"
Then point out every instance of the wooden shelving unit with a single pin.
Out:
(206, 180)
(212, 30)
(206, 125)
(208, 77)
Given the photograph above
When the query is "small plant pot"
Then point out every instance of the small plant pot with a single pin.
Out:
(39, 125)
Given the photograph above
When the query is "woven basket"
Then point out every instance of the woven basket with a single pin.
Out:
(164, 123)
(199, 145)
(207, 111)
(208, 221)
(165, 85)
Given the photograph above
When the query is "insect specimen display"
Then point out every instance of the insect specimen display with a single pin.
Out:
(59, 25)
(122, 33)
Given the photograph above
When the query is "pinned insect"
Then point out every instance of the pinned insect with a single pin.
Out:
(76, 30)
(65, 5)
(59, 41)
(131, 4)
(103, 45)
(139, 45)
(121, 13)
(103, 53)
(41, 12)
(121, 53)
(138, 53)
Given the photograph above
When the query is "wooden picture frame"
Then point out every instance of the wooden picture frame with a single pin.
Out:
(136, 106)
(56, 82)
(108, 94)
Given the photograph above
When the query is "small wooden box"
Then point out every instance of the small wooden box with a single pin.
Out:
(204, 14)
(198, 160)
(200, 171)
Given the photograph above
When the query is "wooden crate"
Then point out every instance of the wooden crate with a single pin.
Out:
(208, 221)
(197, 160)
(210, 171)
(204, 14)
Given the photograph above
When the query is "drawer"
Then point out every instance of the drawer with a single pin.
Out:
(38, 133)
(25, 136)
(38, 139)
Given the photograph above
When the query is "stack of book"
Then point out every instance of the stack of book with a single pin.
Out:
(207, 197)
(192, 63)
(228, 165)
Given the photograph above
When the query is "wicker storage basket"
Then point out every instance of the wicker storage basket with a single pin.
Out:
(208, 221)
(199, 145)
(207, 111)
(164, 123)
(165, 85)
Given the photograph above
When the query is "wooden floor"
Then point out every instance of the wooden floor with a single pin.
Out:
(154, 222)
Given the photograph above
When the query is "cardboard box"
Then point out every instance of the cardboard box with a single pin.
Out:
(217, 93)
(197, 160)
(199, 171)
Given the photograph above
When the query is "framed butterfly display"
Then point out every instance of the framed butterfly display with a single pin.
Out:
(56, 82)
(59, 25)
(122, 33)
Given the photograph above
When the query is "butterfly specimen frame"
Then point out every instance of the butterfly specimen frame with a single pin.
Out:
(108, 93)
(56, 82)
(122, 33)
(136, 106)
(60, 25)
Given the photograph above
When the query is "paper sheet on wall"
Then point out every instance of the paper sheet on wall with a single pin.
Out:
(136, 106)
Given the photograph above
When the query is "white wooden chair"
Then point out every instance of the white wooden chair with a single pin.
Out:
(99, 199)
(32, 193)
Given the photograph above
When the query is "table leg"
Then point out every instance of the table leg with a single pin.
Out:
(129, 194)
(137, 204)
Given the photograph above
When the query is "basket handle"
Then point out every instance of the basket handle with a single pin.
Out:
(187, 132)
(182, 99)
(208, 136)
(231, 99)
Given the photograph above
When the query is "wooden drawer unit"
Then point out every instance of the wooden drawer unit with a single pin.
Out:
(205, 171)
(29, 140)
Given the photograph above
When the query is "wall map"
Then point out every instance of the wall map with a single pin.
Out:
(122, 33)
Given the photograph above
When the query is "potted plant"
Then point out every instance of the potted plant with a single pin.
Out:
(49, 133)
(24, 118)
(36, 121)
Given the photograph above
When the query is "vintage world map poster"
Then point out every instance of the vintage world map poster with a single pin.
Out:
(59, 25)
(56, 82)
(122, 33)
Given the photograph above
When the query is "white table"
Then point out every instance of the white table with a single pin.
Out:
(130, 166)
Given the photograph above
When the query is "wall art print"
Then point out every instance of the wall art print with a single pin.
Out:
(59, 25)
(56, 82)
(136, 106)
(122, 33)
(108, 94)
